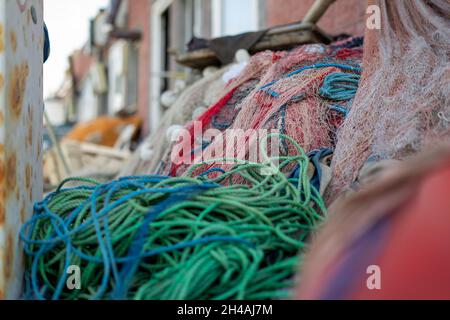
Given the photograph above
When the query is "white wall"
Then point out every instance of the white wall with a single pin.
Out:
(88, 102)
(56, 111)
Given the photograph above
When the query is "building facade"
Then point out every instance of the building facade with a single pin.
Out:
(135, 42)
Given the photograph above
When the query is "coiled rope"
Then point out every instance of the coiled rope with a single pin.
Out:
(155, 237)
(340, 86)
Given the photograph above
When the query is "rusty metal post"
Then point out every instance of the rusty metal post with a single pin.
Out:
(21, 107)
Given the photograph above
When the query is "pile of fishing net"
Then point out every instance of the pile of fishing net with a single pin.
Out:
(199, 95)
(242, 85)
(304, 93)
(402, 105)
(157, 237)
(399, 219)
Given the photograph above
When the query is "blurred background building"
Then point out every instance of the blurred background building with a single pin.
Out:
(129, 60)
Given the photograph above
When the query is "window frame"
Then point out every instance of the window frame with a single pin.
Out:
(217, 16)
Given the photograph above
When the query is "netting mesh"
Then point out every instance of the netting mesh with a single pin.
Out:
(222, 113)
(286, 98)
(200, 94)
(402, 104)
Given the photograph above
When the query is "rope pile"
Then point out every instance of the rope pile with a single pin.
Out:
(156, 237)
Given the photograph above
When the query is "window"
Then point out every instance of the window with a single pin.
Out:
(230, 17)
(193, 19)
(117, 66)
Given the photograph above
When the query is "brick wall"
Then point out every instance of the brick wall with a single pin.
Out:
(139, 19)
(81, 63)
(344, 16)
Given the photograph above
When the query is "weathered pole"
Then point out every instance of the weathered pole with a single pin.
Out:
(21, 127)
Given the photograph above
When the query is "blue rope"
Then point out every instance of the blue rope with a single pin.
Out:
(46, 44)
(344, 67)
(62, 232)
(130, 267)
(315, 157)
(218, 125)
(340, 86)
(204, 145)
(206, 173)
(353, 43)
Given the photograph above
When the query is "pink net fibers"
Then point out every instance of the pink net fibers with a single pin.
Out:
(287, 98)
(402, 105)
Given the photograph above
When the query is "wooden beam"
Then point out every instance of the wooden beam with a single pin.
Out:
(277, 38)
(132, 35)
(280, 39)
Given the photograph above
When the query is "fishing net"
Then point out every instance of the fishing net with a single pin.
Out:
(402, 104)
(222, 113)
(304, 93)
(200, 94)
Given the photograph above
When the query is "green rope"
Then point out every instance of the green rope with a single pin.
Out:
(219, 242)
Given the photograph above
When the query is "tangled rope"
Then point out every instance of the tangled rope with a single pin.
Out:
(345, 67)
(155, 237)
(340, 86)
